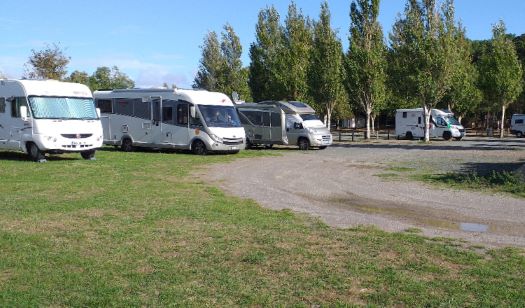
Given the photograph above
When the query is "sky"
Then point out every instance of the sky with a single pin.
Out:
(157, 41)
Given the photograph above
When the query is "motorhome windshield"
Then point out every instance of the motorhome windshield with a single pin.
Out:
(452, 121)
(70, 108)
(309, 117)
(220, 116)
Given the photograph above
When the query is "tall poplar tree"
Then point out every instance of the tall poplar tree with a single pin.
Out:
(266, 60)
(501, 72)
(326, 66)
(366, 59)
(295, 52)
(421, 54)
(211, 64)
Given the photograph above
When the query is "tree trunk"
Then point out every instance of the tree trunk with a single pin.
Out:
(328, 120)
(373, 122)
(426, 111)
(459, 119)
(502, 124)
(368, 113)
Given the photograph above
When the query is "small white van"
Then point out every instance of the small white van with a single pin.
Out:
(48, 116)
(410, 124)
(517, 125)
(278, 122)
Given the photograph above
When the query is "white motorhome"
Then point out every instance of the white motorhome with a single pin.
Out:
(517, 125)
(48, 116)
(277, 122)
(410, 123)
(195, 120)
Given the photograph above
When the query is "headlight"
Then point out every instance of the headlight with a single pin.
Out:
(216, 138)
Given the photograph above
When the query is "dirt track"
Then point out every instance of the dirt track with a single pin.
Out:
(343, 186)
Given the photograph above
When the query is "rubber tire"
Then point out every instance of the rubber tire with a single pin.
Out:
(447, 135)
(249, 144)
(409, 136)
(322, 147)
(304, 144)
(268, 146)
(34, 153)
(88, 155)
(458, 138)
(519, 134)
(126, 145)
(199, 148)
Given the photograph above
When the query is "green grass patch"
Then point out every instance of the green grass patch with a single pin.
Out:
(141, 229)
(496, 181)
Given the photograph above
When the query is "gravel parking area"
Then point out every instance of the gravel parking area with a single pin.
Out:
(343, 185)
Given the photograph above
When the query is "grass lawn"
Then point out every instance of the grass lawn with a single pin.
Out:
(137, 229)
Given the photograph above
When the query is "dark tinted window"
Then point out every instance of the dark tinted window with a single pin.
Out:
(104, 105)
(276, 119)
(266, 118)
(519, 121)
(123, 106)
(167, 114)
(15, 106)
(419, 120)
(182, 114)
(244, 119)
(2, 105)
(141, 109)
(404, 114)
(254, 116)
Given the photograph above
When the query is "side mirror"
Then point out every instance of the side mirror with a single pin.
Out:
(98, 112)
(298, 125)
(23, 113)
(193, 112)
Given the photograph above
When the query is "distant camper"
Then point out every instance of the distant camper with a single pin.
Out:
(48, 116)
(517, 125)
(410, 124)
(277, 122)
(195, 120)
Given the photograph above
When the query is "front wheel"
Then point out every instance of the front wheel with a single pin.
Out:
(89, 155)
(304, 144)
(519, 134)
(458, 138)
(34, 153)
(447, 135)
(127, 145)
(409, 136)
(199, 148)
(322, 147)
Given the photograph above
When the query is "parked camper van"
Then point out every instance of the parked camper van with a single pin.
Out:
(275, 122)
(48, 116)
(410, 123)
(517, 125)
(195, 120)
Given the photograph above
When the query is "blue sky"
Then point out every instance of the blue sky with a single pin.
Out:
(158, 41)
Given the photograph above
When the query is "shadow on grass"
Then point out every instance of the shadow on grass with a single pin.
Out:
(436, 146)
(19, 156)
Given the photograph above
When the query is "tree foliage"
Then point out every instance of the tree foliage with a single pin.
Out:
(501, 72)
(48, 63)
(110, 78)
(421, 49)
(221, 66)
(266, 67)
(326, 66)
(366, 59)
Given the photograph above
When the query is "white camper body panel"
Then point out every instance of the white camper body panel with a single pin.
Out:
(517, 125)
(54, 116)
(410, 123)
(170, 118)
(279, 122)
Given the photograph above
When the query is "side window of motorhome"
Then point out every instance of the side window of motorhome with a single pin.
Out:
(2, 105)
(419, 120)
(182, 114)
(405, 114)
(518, 121)
(141, 109)
(123, 106)
(105, 105)
(266, 119)
(167, 114)
(255, 117)
(244, 119)
(276, 119)
(15, 106)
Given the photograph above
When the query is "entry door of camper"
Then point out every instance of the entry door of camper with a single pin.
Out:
(156, 136)
(4, 132)
(14, 126)
(276, 131)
